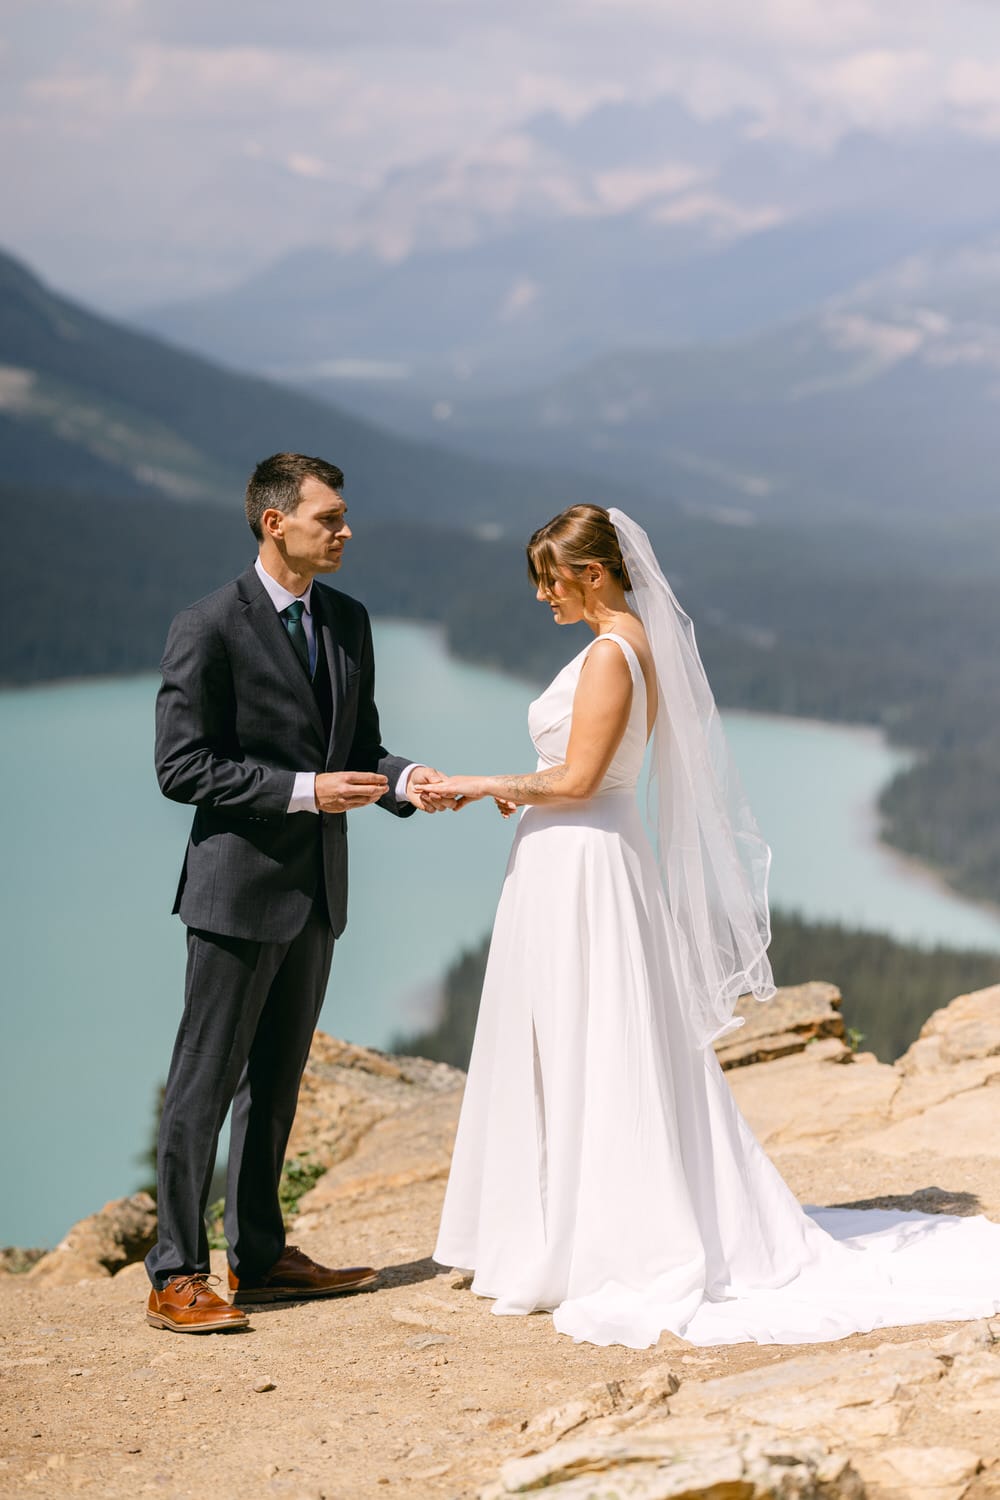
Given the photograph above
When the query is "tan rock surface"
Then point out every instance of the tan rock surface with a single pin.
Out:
(417, 1389)
(849, 1421)
(797, 1015)
(347, 1090)
(121, 1233)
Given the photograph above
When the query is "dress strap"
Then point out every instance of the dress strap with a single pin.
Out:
(629, 653)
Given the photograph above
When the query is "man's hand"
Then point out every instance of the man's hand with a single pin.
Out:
(421, 779)
(340, 791)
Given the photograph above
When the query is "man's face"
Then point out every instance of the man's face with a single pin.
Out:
(314, 533)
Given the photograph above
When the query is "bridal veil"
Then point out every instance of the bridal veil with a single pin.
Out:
(713, 861)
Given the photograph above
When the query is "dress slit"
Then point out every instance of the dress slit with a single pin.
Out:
(541, 1134)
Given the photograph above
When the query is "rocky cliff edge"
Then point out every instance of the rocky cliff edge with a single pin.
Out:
(416, 1389)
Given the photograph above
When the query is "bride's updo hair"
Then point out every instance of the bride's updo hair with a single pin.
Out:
(578, 536)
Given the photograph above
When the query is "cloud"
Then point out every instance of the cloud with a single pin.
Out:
(724, 218)
(876, 88)
(522, 295)
(144, 136)
(972, 91)
(813, 25)
(885, 343)
(625, 188)
(305, 25)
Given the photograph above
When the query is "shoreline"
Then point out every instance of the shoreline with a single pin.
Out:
(926, 876)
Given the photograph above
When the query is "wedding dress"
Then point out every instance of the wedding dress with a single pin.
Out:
(602, 1169)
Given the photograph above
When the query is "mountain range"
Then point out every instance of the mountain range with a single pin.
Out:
(684, 305)
(91, 406)
(885, 402)
(124, 460)
(636, 225)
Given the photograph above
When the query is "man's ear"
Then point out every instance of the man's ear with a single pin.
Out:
(272, 522)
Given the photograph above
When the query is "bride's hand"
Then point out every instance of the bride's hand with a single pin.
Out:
(456, 791)
(504, 808)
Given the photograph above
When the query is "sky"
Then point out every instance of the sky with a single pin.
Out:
(153, 149)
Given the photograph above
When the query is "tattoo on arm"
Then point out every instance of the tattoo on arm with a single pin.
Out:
(538, 787)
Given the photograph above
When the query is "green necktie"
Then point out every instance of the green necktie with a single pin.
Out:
(292, 617)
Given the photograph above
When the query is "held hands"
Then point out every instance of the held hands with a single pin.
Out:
(343, 791)
(459, 791)
(455, 791)
(422, 789)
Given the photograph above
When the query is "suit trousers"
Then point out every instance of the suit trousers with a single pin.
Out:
(250, 1010)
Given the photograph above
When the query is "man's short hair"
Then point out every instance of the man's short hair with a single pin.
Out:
(276, 484)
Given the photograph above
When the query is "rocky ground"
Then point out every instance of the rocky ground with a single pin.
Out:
(416, 1389)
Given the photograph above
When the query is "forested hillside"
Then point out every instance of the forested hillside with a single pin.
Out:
(889, 988)
(785, 626)
(90, 406)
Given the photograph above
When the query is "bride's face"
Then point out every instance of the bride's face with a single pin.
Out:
(565, 599)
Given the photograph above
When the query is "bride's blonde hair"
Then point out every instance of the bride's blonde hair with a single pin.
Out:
(576, 537)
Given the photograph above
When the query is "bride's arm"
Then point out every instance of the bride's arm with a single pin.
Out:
(601, 707)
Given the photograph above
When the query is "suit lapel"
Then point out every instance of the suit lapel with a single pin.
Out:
(275, 640)
(328, 641)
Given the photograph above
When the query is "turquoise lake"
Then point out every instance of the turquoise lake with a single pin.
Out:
(93, 960)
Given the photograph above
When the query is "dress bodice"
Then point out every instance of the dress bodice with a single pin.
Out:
(551, 714)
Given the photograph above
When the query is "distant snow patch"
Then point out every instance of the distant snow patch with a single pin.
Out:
(16, 386)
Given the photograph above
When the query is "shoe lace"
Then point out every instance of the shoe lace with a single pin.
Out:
(194, 1282)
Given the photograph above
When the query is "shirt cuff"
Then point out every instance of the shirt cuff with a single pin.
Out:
(404, 780)
(303, 798)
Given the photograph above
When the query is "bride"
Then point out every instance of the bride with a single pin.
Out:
(602, 1169)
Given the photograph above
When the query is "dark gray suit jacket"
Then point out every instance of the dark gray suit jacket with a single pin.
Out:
(236, 717)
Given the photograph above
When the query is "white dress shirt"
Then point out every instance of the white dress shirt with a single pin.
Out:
(303, 798)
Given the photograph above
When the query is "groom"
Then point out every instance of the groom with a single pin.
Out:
(266, 723)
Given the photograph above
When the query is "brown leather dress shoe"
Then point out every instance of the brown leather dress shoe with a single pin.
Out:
(294, 1276)
(187, 1304)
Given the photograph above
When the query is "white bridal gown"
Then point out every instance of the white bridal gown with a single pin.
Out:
(602, 1169)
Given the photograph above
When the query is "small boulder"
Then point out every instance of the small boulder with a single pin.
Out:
(797, 1015)
(121, 1233)
(966, 1030)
